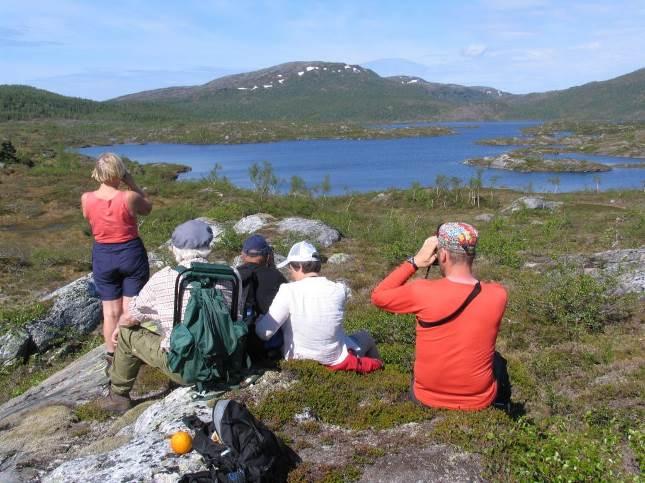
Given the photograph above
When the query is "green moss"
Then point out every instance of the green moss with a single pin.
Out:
(377, 400)
(91, 412)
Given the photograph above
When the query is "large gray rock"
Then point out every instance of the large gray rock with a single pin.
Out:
(81, 381)
(252, 223)
(433, 463)
(339, 258)
(146, 459)
(14, 346)
(76, 310)
(531, 203)
(146, 456)
(625, 268)
(314, 230)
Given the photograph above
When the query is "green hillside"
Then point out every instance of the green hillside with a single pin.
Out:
(622, 98)
(21, 103)
(316, 91)
(332, 92)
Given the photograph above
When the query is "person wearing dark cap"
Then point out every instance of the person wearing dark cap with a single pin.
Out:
(143, 335)
(458, 319)
(260, 283)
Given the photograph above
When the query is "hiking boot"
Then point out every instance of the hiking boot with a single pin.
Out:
(114, 403)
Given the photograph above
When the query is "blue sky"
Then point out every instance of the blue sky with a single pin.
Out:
(101, 49)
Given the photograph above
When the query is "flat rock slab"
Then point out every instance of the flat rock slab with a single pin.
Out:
(81, 381)
(531, 203)
(434, 463)
(146, 456)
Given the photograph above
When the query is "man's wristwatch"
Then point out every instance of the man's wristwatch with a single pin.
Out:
(410, 260)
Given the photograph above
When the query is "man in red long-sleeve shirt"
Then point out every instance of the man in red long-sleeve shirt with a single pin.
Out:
(458, 319)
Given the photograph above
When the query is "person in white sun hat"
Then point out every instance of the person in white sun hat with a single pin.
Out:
(310, 311)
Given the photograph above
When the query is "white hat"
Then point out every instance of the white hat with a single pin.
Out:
(301, 252)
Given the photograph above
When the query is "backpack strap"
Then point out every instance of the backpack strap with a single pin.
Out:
(179, 293)
(475, 292)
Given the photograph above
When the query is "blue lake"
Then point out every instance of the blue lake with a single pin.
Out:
(371, 165)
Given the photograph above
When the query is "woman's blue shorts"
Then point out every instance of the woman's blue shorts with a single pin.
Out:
(120, 269)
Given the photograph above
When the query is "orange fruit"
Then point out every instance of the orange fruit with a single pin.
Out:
(181, 442)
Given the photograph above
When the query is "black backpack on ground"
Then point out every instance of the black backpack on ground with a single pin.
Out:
(247, 451)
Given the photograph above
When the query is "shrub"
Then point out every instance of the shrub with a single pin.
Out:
(571, 300)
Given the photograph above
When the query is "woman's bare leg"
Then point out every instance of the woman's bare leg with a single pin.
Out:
(112, 310)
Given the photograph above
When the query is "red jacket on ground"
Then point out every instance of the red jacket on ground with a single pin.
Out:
(454, 361)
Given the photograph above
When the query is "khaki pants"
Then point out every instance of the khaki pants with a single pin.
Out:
(137, 346)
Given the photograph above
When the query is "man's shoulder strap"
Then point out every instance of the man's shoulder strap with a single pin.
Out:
(475, 292)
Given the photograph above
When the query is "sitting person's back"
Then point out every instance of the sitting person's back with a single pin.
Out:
(310, 311)
(453, 364)
(458, 319)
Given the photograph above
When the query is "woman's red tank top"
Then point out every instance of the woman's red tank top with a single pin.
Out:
(111, 221)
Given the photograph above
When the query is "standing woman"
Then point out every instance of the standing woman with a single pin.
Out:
(119, 259)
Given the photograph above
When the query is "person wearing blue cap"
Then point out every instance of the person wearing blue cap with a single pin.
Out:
(260, 283)
(143, 335)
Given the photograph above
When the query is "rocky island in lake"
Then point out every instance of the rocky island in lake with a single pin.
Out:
(536, 163)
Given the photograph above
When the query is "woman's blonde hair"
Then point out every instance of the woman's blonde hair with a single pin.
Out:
(109, 167)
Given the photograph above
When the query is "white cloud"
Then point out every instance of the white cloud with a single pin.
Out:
(474, 50)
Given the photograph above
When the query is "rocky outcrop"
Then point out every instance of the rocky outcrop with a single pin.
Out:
(14, 346)
(339, 258)
(624, 268)
(253, 223)
(531, 203)
(313, 230)
(432, 463)
(146, 455)
(485, 217)
(76, 310)
(79, 382)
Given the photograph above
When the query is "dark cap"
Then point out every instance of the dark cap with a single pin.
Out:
(193, 234)
(256, 245)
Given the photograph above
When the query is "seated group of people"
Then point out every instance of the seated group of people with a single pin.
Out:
(458, 317)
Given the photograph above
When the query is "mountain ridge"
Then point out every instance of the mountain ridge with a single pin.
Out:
(337, 91)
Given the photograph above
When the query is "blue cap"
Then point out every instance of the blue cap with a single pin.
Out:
(193, 234)
(256, 245)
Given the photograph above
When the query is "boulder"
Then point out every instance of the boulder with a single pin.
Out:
(485, 217)
(625, 268)
(314, 230)
(531, 203)
(382, 197)
(76, 309)
(155, 261)
(339, 258)
(14, 346)
(252, 223)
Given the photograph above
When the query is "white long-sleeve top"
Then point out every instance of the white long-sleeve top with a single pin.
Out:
(310, 312)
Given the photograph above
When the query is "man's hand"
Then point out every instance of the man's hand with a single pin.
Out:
(115, 335)
(428, 253)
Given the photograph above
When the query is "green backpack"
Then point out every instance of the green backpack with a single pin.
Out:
(208, 348)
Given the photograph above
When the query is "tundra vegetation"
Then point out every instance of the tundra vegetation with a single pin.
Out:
(574, 347)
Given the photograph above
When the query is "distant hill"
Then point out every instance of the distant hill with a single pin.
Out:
(317, 91)
(19, 103)
(331, 91)
(621, 98)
